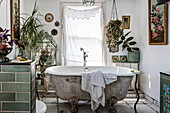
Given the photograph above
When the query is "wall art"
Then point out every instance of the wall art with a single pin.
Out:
(15, 18)
(126, 22)
(157, 23)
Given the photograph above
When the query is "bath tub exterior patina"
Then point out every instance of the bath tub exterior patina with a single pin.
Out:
(67, 83)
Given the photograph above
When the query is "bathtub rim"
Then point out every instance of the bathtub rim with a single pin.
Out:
(49, 72)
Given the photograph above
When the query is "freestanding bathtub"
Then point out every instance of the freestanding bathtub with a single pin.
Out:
(67, 83)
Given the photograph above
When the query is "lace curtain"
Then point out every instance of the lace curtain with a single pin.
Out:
(81, 14)
(83, 28)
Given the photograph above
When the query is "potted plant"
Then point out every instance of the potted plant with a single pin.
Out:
(32, 33)
(113, 33)
(128, 44)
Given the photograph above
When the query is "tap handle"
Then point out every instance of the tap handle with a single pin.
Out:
(81, 49)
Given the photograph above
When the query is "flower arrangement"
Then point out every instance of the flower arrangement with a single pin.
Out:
(6, 42)
(113, 33)
(157, 21)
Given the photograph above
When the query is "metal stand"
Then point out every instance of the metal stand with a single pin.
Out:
(136, 93)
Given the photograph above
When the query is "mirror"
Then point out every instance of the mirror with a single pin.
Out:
(15, 18)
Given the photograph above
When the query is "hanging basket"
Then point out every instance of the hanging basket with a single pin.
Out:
(113, 30)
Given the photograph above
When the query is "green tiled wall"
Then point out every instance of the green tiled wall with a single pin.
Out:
(7, 112)
(23, 77)
(13, 106)
(7, 77)
(7, 96)
(22, 97)
(17, 88)
(15, 68)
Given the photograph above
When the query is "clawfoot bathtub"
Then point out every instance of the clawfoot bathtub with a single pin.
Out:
(67, 83)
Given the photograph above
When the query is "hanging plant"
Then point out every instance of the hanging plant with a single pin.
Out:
(113, 30)
(113, 33)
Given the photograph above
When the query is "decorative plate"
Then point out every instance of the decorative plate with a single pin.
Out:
(123, 58)
(49, 17)
(115, 58)
(54, 32)
(57, 23)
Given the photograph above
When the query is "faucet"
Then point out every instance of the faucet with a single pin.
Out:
(84, 56)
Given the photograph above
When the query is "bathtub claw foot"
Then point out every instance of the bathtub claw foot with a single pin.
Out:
(112, 101)
(74, 101)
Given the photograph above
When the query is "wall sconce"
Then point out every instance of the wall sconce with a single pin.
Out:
(162, 2)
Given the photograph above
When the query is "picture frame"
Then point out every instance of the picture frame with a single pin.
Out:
(157, 23)
(15, 19)
(126, 22)
(115, 58)
(123, 58)
(49, 17)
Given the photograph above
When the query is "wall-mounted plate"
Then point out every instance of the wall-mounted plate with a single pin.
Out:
(49, 17)
(54, 32)
(57, 23)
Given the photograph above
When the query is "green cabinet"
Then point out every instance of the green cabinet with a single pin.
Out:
(165, 92)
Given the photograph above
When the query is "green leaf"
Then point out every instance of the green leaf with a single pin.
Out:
(135, 48)
(124, 46)
(123, 37)
(119, 42)
(129, 39)
(127, 33)
(132, 43)
(129, 49)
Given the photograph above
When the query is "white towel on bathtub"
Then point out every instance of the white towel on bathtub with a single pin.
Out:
(94, 83)
(110, 77)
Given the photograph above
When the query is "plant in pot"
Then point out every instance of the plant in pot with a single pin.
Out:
(33, 34)
(128, 44)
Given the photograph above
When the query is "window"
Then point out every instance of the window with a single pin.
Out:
(83, 28)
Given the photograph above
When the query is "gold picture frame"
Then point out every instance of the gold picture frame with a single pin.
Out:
(126, 22)
(15, 18)
(157, 23)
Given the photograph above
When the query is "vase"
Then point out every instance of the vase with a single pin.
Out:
(134, 57)
(4, 53)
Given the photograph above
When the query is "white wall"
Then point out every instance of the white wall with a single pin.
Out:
(154, 58)
(125, 7)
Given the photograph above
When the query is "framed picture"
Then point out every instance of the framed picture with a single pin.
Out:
(126, 22)
(49, 17)
(123, 58)
(157, 23)
(15, 18)
(115, 58)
